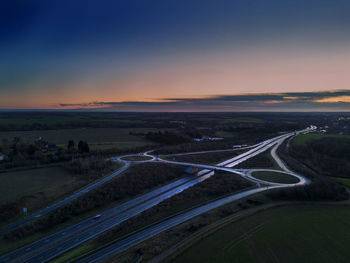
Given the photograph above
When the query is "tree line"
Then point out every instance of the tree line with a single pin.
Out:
(321, 188)
(18, 153)
(328, 156)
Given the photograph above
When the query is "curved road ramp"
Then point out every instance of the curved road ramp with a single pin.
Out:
(51, 246)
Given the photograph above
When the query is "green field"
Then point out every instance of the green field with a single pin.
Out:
(98, 138)
(136, 158)
(225, 134)
(116, 119)
(242, 120)
(68, 119)
(344, 181)
(304, 138)
(36, 188)
(285, 234)
(275, 177)
(222, 119)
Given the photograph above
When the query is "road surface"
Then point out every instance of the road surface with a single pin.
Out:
(165, 225)
(51, 246)
(151, 231)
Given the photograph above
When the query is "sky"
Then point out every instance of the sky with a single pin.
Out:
(184, 55)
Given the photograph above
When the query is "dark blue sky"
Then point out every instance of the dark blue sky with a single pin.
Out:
(63, 46)
(61, 26)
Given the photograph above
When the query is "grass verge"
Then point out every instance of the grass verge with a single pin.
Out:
(275, 177)
(136, 158)
(344, 181)
(304, 138)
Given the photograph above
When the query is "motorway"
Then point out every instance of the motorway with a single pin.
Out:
(151, 231)
(66, 200)
(165, 225)
(212, 151)
(53, 245)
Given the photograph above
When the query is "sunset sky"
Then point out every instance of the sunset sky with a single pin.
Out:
(146, 55)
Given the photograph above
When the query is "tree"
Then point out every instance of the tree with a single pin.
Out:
(83, 147)
(70, 145)
(31, 149)
(5, 146)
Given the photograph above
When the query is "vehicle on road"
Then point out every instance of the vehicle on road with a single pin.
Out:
(97, 216)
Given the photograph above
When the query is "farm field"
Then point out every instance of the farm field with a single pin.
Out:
(242, 120)
(98, 138)
(37, 188)
(275, 177)
(225, 134)
(304, 138)
(67, 119)
(56, 120)
(284, 234)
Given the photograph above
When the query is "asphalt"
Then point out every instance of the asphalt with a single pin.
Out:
(151, 231)
(53, 245)
(165, 225)
(211, 151)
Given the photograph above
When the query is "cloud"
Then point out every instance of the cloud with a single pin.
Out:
(344, 98)
(337, 100)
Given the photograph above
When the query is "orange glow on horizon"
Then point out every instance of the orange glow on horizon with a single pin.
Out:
(228, 74)
(334, 99)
